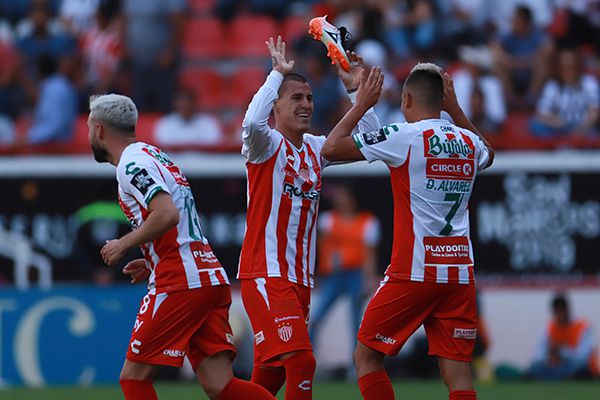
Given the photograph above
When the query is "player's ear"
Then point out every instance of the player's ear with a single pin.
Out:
(407, 99)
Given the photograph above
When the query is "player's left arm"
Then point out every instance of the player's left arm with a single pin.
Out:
(163, 215)
(459, 117)
(339, 145)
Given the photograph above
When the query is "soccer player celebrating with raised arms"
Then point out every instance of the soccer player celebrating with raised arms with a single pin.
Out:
(278, 254)
(185, 312)
(430, 279)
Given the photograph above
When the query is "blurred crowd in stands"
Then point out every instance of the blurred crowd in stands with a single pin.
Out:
(526, 71)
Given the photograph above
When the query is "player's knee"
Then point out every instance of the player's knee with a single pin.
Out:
(366, 359)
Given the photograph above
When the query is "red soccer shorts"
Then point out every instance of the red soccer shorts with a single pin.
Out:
(398, 308)
(192, 323)
(278, 311)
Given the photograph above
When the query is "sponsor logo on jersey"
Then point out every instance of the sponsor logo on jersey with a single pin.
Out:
(287, 318)
(292, 191)
(447, 250)
(446, 128)
(374, 137)
(450, 168)
(142, 181)
(449, 144)
(174, 353)
(385, 339)
(259, 337)
(285, 332)
(230, 339)
(461, 333)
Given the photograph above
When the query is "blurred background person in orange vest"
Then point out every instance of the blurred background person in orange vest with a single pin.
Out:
(347, 248)
(567, 348)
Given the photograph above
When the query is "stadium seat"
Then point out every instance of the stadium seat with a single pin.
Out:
(294, 27)
(203, 38)
(201, 7)
(248, 35)
(242, 86)
(206, 83)
(144, 130)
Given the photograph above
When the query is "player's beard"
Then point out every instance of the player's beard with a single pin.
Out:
(100, 154)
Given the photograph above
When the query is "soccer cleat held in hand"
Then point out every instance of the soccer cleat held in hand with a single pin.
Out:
(333, 38)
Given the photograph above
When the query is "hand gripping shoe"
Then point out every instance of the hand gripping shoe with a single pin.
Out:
(333, 38)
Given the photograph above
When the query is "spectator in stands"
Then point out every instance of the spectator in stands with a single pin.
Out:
(521, 58)
(56, 109)
(569, 103)
(153, 35)
(478, 91)
(186, 125)
(577, 22)
(227, 9)
(463, 23)
(11, 95)
(77, 16)
(410, 24)
(39, 34)
(566, 349)
(102, 49)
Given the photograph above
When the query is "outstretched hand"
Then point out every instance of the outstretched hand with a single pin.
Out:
(370, 87)
(351, 79)
(137, 270)
(277, 51)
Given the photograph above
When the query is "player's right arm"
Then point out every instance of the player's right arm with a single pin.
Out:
(258, 140)
(452, 107)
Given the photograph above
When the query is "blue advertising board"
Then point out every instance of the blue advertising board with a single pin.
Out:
(66, 335)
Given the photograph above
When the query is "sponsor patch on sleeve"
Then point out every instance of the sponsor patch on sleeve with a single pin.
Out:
(374, 137)
(142, 181)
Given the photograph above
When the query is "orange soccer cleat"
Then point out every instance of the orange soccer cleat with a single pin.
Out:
(333, 39)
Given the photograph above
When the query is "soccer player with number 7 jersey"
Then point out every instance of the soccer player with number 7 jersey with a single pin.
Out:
(186, 310)
(430, 279)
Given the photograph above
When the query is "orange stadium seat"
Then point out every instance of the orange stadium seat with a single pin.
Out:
(248, 35)
(203, 38)
(202, 6)
(294, 27)
(206, 83)
(243, 84)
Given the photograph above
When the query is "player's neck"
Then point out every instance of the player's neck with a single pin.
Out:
(422, 115)
(296, 138)
(114, 154)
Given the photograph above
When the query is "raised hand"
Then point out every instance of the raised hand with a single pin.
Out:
(450, 100)
(351, 79)
(277, 51)
(370, 86)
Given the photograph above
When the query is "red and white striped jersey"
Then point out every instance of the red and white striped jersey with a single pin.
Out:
(284, 186)
(432, 166)
(182, 258)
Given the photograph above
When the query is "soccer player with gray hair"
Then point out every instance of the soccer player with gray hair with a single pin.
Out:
(186, 310)
(430, 280)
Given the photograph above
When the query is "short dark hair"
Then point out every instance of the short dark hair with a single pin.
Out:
(292, 76)
(559, 302)
(524, 12)
(427, 86)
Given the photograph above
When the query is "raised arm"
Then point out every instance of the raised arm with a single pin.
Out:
(339, 145)
(256, 135)
(452, 107)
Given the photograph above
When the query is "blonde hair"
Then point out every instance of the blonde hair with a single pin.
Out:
(117, 111)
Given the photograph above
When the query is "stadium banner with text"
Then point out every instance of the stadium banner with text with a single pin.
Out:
(526, 226)
(66, 335)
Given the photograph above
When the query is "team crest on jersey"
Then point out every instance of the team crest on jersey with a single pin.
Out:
(142, 181)
(285, 332)
(374, 137)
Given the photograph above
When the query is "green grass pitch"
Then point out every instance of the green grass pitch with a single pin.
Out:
(427, 390)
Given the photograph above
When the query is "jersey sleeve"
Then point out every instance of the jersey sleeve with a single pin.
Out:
(482, 154)
(140, 177)
(389, 144)
(259, 141)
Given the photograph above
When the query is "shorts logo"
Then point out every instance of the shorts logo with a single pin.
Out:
(259, 337)
(285, 332)
(230, 338)
(135, 346)
(174, 353)
(460, 333)
(304, 385)
(385, 339)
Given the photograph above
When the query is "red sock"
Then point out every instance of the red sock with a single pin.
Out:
(239, 389)
(376, 386)
(462, 395)
(299, 373)
(271, 378)
(138, 390)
